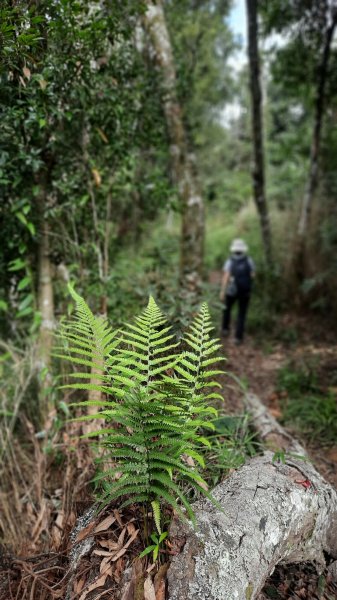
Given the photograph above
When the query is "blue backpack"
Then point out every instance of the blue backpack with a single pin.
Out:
(241, 271)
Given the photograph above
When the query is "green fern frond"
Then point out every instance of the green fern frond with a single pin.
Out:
(88, 341)
(156, 514)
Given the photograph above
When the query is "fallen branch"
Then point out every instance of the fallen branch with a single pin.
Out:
(272, 513)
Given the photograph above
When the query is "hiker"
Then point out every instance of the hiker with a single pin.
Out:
(236, 285)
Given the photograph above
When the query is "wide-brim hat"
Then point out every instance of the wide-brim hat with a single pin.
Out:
(239, 245)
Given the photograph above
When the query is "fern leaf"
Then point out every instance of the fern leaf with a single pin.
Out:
(156, 514)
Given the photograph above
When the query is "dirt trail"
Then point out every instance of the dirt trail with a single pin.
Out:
(250, 367)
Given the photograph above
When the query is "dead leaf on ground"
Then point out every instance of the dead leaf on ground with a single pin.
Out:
(105, 565)
(118, 517)
(203, 485)
(105, 524)
(85, 532)
(119, 549)
(119, 569)
(96, 584)
(121, 537)
(151, 567)
(79, 585)
(160, 582)
(131, 528)
(124, 549)
(109, 544)
(103, 553)
(188, 460)
(149, 592)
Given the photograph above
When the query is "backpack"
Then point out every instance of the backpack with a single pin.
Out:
(241, 273)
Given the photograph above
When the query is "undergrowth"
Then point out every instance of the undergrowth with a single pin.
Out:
(309, 406)
(231, 443)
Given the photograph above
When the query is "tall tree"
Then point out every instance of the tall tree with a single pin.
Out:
(183, 167)
(45, 297)
(257, 129)
(322, 72)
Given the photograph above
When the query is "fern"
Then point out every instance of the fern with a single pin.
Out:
(154, 407)
(194, 379)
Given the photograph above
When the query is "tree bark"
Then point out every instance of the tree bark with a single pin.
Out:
(45, 301)
(268, 516)
(258, 173)
(102, 251)
(316, 135)
(183, 168)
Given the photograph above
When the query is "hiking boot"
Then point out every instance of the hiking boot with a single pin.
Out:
(238, 342)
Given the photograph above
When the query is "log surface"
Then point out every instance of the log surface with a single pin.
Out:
(269, 516)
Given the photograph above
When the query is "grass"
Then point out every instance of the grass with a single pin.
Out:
(315, 416)
(231, 444)
(309, 407)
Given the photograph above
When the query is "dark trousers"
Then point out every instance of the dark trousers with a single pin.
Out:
(243, 301)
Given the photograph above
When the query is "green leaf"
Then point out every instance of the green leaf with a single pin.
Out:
(147, 551)
(3, 305)
(24, 282)
(16, 265)
(155, 553)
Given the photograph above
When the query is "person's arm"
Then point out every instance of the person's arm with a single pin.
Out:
(225, 279)
(224, 283)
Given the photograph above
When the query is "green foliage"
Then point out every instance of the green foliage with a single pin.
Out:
(309, 407)
(80, 124)
(156, 402)
(281, 456)
(231, 443)
(155, 547)
(298, 379)
(315, 416)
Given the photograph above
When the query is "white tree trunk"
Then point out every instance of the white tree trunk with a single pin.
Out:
(268, 516)
(183, 168)
(46, 309)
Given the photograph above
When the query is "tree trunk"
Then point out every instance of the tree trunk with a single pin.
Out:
(257, 129)
(102, 251)
(45, 301)
(96, 395)
(272, 512)
(183, 169)
(316, 136)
